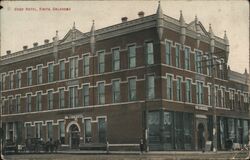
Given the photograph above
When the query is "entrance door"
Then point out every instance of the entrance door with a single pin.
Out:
(201, 137)
(74, 136)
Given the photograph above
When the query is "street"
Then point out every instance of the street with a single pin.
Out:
(127, 156)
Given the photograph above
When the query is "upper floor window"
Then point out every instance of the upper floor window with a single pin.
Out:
(188, 91)
(38, 129)
(11, 80)
(209, 91)
(62, 70)
(50, 99)
(178, 87)
(198, 59)
(216, 96)
(3, 82)
(101, 93)
(85, 95)
(199, 93)
(51, 72)
(61, 98)
(116, 91)
(132, 56)
(177, 56)
(150, 53)
(28, 103)
(86, 65)
(116, 59)
(223, 99)
(132, 89)
(29, 76)
(245, 98)
(73, 67)
(39, 75)
(39, 101)
(18, 101)
(168, 53)
(209, 65)
(150, 87)
(169, 87)
(10, 103)
(73, 97)
(187, 58)
(101, 62)
(231, 98)
(18, 79)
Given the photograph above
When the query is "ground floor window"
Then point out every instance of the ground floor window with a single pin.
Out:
(62, 132)
(88, 130)
(28, 129)
(170, 130)
(245, 132)
(102, 130)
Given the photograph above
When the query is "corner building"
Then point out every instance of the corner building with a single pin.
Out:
(145, 78)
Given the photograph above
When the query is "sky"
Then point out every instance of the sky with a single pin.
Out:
(23, 23)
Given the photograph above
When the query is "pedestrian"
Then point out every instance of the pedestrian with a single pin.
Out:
(141, 145)
(51, 146)
(56, 144)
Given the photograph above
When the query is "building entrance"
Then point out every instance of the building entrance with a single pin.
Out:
(201, 137)
(74, 136)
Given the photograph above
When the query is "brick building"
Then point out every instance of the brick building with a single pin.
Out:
(145, 78)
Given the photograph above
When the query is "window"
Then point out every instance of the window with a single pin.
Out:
(149, 53)
(169, 87)
(168, 53)
(87, 129)
(150, 87)
(73, 97)
(50, 100)
(28, 103)
(28, 131)
(51, 72)
(209, 90)
(39, 101)
(39, 75)
(199, 93)
(102, 130)
(209, 65)
(188, 91)
(38, 128)
(85, 94)
(116, 59)
(101, 93)
(62, 70)
(221, 65)
(10, 105)
(245, 98)
(29, 76)
(187, 58)
(132, 89)
(223, 97)
(62, 132)
(73, 67)
(101, 62)
(18, 79)
(86, 65)
(49, 131)
(11, 80)
(61, 98)
(198, 59)
(132, 56)
(178, 86)
(3, 81)
(231, 98)
(116, 91)
(18, 100)
(177, 56)
(216, 96)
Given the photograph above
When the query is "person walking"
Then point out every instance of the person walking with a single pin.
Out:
(141, 145)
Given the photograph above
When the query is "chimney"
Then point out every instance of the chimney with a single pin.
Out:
(46, 41)
(25, 47)
(124, 19)
(141, 14)
(35, 44)
(8, 52)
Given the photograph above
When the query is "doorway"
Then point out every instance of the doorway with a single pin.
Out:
(201, 137)
(74, 136)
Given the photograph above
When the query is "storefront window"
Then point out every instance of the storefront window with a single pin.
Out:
(154, 127)
(188, 128)
(245, 132)
(231, 129)
(168, 131)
